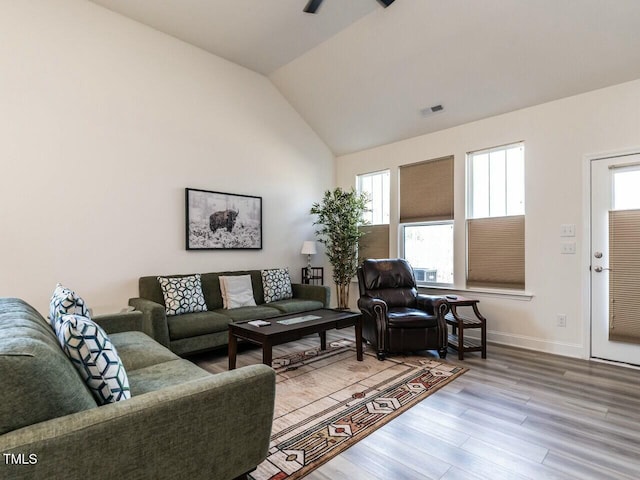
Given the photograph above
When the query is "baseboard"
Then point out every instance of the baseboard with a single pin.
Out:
(531, 343)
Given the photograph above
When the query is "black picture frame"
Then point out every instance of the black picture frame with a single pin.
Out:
(222, 221)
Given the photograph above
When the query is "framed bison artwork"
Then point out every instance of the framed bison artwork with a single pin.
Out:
(217, 220)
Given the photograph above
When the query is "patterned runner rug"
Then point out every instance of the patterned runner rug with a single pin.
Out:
(326, 401)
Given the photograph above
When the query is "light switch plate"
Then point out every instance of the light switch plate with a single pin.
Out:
(568, 230)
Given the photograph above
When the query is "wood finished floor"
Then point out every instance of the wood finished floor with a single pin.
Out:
(516, 415)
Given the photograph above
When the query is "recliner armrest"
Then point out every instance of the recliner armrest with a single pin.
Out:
(439, 307)
(432, 304)
(374, 307)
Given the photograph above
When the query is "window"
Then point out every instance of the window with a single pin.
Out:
(426, 217)
(376, 186)
(626, 180)
(495, 217)
(375, 242)
(428, 247)
(496, 182)
(624, 254)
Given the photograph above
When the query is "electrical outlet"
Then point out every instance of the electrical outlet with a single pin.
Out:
(568, 248)
(561, 320)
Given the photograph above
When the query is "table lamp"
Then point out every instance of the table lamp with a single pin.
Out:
(308, 249)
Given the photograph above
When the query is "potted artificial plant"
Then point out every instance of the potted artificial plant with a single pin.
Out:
(339, 216)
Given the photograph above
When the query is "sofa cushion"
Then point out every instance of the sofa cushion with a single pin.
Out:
(95, 358)
(236, 291)
(294, 305)
(250, 313)
(402, 317)
(137, 350)
(201, 343)
(66, 301)
(194, 324)
(276, 284)
(163, 375)
(182, 294)
(38, 380)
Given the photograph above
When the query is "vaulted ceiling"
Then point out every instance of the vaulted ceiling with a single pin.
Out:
(360, 74)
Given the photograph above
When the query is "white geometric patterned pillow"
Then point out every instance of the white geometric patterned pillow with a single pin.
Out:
(95, 358)
(276, 284)
(183, 294)
(65, 301)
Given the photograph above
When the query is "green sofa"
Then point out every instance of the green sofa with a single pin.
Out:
(181, 421)
(194, 332)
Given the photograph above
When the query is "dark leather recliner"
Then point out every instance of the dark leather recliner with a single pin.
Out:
(395, 318)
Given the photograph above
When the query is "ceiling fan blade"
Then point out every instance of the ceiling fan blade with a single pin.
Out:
(312, 6)
(386, 3)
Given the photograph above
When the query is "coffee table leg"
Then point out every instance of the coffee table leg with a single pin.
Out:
(323, 340)
(233, 350)
(267, 353)
(359, 339)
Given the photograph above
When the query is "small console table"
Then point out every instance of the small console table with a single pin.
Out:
(316, 277)
(461, 321)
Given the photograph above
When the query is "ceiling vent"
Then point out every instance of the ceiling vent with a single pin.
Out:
(313, 5)
(428, 111)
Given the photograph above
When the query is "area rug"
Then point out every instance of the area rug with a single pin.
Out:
(326, 401)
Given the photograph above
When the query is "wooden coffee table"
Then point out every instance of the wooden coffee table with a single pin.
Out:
(278, 333)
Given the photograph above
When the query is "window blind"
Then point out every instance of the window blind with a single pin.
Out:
(375, 242)
(624, 276)
(426, 191)
(495, 252)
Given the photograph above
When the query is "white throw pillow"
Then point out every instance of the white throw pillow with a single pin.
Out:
(276, 283)
(237, 291)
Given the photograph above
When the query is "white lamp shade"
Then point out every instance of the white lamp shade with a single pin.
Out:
(309, 248)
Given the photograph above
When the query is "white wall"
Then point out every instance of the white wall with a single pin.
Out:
(103, 123)
(557, 136)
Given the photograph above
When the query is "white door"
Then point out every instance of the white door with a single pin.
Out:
(615, 185)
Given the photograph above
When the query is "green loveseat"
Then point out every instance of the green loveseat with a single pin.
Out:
(194, 332)
(181, 421)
